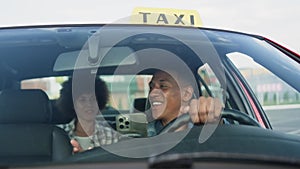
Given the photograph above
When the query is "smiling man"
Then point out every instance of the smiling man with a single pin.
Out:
(171, 95)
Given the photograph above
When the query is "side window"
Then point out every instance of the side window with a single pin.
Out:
(279, 100)
(210, 86)
(50, 85)
(125, 88)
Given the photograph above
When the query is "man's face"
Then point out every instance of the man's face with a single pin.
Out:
(164, 96)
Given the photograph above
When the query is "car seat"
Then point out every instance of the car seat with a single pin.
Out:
(27, 132)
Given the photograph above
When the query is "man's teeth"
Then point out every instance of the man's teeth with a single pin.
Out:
(156, 103)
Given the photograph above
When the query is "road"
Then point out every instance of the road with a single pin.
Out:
(285, 118)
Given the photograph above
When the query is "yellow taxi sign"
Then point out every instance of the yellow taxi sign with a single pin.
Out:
(166, 16)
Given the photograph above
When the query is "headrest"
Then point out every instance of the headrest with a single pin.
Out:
(140, 104)
(24, 106)
(59, 117)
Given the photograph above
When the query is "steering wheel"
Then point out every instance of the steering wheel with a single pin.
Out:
(229, 114)
(240, 117)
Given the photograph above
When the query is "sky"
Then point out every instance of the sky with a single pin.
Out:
(275, 19)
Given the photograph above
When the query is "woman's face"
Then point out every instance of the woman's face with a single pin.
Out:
(86, 107)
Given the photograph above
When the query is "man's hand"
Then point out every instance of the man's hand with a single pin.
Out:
(204, 109)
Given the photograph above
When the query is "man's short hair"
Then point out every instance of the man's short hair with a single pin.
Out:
(183, 78)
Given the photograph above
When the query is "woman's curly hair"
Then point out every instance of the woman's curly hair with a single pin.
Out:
(65, 102)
